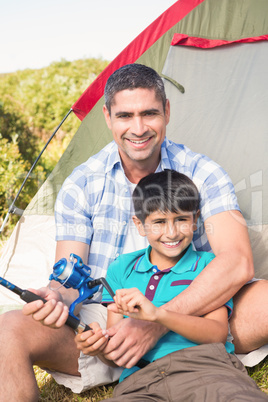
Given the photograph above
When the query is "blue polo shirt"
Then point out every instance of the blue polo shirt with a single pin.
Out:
(135, 270)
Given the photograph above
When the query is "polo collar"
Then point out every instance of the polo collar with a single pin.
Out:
(185, 264)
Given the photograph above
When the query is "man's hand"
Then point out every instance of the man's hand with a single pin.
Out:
(53, 313)
(130, 339)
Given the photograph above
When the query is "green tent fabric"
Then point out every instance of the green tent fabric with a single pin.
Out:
(214, 60)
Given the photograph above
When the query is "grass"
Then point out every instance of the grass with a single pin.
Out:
(50, 391)
(259, 373)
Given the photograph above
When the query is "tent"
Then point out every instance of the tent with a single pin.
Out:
(213, 56)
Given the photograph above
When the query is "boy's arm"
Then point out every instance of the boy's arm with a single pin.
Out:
(211, 328)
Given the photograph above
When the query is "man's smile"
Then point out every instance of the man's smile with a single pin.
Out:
(138, 141)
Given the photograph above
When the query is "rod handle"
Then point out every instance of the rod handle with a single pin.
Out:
(72, 322)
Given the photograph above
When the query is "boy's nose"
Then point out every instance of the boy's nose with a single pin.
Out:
(171, 230)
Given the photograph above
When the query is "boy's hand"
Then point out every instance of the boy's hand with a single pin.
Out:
(134, 304)
(92, 342)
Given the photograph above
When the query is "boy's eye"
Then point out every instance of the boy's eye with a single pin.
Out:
(158, 222)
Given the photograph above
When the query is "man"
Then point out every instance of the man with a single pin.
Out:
(92, 213)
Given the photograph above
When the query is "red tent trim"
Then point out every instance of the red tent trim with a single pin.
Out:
(132, 52)
(185, 40)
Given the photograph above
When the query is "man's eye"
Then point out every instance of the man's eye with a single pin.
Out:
(150, 114)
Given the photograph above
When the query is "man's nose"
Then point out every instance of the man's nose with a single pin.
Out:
(138, 127)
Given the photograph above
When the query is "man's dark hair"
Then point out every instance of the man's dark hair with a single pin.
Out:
(167, 191)
(132, 76)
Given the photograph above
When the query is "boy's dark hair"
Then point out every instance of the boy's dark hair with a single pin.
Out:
(165, 191)
(132, 76)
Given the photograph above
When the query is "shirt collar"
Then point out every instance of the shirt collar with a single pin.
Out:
(165, 162)
(186, 263)
(114, 157)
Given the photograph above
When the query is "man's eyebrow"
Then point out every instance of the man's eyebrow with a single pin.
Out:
(152, 110)
(120, 113)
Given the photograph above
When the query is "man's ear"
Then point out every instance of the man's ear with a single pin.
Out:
(196, 216)
(107, 116)
(167, 111)
(139, 225)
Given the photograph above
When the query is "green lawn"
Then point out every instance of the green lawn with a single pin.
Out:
(50, 391)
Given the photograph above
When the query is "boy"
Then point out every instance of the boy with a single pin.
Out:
(190, 362)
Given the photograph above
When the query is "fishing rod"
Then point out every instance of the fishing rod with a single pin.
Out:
(70, 274)
(28, 297)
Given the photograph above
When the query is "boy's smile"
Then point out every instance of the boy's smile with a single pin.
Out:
(169, 235)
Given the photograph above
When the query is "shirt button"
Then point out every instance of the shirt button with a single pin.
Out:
(151, 287)
(156, 277)
(117, 255)
(154, 270)
(124, 223)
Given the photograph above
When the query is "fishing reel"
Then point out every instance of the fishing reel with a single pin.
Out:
(75, 274)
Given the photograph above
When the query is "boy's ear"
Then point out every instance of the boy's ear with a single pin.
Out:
(139, 225)
(196, 216)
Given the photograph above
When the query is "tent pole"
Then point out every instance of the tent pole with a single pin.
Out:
(12, 209)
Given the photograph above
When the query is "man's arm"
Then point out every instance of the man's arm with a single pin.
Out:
(227, 273)
(219, 281)
(54, 313)
(63, 250)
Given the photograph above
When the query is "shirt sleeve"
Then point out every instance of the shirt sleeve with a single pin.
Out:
(113, 279)
(72, 213)
(217, 193)
(229, 306)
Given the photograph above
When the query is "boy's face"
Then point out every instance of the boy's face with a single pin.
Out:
(169, 235)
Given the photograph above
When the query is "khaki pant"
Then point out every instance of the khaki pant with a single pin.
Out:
(201, 373)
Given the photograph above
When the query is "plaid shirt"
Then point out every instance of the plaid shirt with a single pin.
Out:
(94, 203)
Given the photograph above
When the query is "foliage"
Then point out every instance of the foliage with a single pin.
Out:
(32, 104)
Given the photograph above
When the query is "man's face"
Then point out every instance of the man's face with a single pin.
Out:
(138, 123)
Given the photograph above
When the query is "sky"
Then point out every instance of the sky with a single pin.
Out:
(35, 33)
